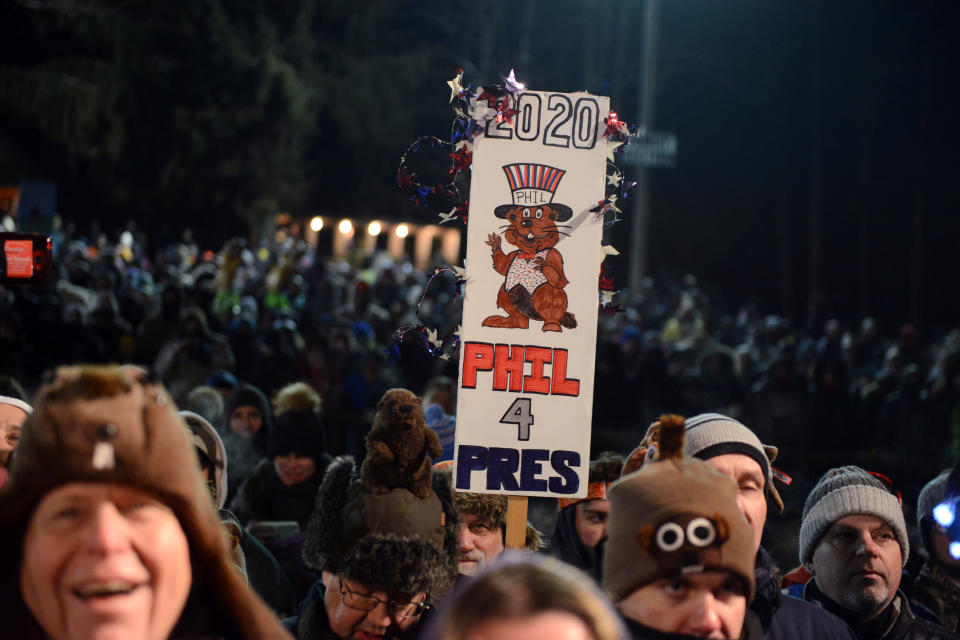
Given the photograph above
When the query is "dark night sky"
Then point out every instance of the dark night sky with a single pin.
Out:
(845, 110)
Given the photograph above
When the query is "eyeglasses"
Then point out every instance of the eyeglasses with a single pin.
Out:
(366, 602)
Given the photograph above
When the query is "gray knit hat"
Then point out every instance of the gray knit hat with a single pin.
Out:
(848, 491)
(931, 495)
(711, 434)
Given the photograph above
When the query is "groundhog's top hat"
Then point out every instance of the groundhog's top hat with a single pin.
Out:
(533, 185)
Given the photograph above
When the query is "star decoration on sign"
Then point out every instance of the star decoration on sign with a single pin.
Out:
(611, 147)
(512, 85)
(455, 86)
(614, 179)
(448, 217)
(608, 250)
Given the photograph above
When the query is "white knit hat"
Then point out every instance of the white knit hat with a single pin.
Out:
(848, 491)
(18, 403)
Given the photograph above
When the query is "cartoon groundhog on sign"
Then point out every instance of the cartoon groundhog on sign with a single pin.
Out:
(533, 273)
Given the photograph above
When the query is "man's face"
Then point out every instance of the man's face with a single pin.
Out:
(591, 521)
(858, 564)
(479, 543)
(711, 604)
(352, 623)
(751, 488)
(11, 419)
(104, 561)
(246, 421)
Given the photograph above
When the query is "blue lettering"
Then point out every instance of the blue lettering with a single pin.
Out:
(561, 461)
(503, 464)
(530, 468)
(471, 458)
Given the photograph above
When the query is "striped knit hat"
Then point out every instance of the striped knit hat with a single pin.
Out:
(18, 403)
(931, 495)
(711, 434)
(848, 491)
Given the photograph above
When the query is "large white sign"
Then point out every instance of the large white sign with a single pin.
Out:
(530, 311)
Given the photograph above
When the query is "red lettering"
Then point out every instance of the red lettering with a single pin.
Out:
(508, 366)
(561, 385)
(477, 356)
(537, 382)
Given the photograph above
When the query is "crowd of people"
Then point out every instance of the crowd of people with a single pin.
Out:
(210, 469)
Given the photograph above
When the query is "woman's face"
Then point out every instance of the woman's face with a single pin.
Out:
(246, 421)
(294, 469)
(104, 562)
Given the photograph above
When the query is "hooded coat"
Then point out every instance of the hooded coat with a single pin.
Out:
(114, 425)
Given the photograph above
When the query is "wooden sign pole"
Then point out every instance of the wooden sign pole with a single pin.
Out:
(516, 522)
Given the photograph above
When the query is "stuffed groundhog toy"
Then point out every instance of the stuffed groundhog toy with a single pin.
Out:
(397, 446)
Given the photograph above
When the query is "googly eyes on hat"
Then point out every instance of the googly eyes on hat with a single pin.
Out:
(697, 532)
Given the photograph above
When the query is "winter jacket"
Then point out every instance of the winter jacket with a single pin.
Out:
(896, 622)
(934, 590)
(752, 630)
(263, 497)
(785, 618)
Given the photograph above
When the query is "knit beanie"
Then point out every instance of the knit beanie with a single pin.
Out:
(931, 495)
(247, 395)
(299, 432)
(18, 403)
(113, 425)
(673, 516)
(848, 491)
(711, 434)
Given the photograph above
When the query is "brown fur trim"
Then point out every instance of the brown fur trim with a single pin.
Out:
(491, 508)
(87, 383)
(606, 468)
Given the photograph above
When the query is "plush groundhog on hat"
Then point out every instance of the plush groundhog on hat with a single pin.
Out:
(400, 446)
(388, 526)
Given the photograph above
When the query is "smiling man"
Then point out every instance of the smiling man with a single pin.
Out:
(853, 540)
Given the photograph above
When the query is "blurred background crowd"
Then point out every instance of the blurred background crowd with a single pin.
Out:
(826, 393)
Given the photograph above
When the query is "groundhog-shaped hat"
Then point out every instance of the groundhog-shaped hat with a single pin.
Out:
(675, 515)
(372, 526)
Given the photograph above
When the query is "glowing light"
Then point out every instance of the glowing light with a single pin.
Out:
(374, 228)
(402, 231)
(126, 239)
(263, 254)
(955, 550)
(345, 227)
(316, 223)
(944, 513)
